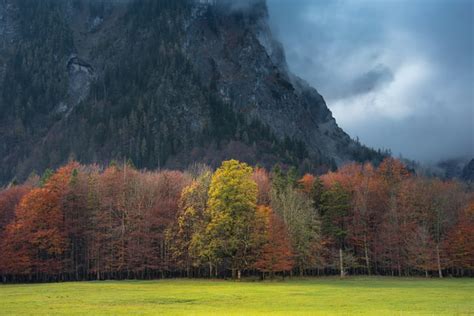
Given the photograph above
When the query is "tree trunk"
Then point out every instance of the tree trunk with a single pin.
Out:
(367, 262)
(439, 261)
(341, 263)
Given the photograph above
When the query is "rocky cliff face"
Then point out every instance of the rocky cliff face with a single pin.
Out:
(163, 83)
(234, 51)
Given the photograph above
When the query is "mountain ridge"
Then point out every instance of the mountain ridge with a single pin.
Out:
(163, 83)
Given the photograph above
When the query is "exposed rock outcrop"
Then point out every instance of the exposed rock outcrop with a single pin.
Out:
(233, 49)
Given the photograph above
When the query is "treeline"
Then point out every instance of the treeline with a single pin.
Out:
(89, 223)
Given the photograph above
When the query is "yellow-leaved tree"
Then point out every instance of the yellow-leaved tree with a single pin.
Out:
(234, 231)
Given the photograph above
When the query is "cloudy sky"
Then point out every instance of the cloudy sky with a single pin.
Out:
(396, 74)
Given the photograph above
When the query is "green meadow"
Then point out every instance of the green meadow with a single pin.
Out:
(318, 296)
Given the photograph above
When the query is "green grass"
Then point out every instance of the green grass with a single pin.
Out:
(322, 296)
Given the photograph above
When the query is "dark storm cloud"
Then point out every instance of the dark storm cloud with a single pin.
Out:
(398, 74)
(374, 79)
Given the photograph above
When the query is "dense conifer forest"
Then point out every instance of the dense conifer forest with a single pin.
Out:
(127, 89)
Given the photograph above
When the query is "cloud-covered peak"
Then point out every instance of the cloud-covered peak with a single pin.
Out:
(398, 74)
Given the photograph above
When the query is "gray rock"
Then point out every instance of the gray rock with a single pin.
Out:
(253, 76)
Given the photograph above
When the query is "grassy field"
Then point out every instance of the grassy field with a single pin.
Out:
(322, 296)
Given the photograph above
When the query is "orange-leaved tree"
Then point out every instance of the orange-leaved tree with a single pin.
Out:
(276, 254)
(460, 242)
(36, 240)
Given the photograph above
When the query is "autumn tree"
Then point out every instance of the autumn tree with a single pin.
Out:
(109, 223)
(334, 210)
(276, 254)
(162, 192)
(365, 219)
(185, 238)
(262, 178)
(460, 242)
(307, 183)
(421, 250)
(393, 175)
(302, 221)
(445, 202)
(36, 240)
(232, 211)
(9, 200)
(77, 223)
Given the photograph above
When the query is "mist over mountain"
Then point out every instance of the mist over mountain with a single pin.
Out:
(397, 74)
(161, 83)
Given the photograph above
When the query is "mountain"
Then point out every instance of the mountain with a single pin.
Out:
(163, 83)
(468, 172)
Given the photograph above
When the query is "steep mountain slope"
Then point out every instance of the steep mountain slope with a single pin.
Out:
(160, 82)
